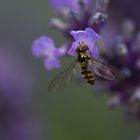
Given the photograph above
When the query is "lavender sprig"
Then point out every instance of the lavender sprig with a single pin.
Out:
(125, 54)
(72, 18)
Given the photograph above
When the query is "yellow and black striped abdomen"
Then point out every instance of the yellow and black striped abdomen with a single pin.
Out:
(88, 76)
(83, 60)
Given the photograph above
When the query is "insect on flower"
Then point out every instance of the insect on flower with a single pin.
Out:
(86, 64)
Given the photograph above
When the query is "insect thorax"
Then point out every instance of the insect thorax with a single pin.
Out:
(83, 58)
(83, 54)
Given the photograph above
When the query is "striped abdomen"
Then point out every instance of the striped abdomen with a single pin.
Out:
(88, 75)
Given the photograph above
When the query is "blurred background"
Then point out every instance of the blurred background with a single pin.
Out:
(27, 110)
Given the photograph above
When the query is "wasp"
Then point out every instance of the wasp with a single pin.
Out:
(88, 67)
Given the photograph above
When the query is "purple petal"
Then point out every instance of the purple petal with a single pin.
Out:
(95, 52)
(52, 63)
(63, 50)
(88, 2)
(92, 33)
(77, 35)
(57, 4)
(72, 50)
(60, 4)
(58, 52)
(72, 5)
(41, 45)
(88, 33)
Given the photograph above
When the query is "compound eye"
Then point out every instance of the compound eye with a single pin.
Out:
(85, 48)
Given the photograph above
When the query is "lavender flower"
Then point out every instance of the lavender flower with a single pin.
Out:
(45, 47)
(78, 15)
(73, 5)
(125, 54)
(72, 18)
(83, 20)
(88, 37)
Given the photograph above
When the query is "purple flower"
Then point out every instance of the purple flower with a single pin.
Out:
(78, 15)
(45, 47)
(124, 53)
(88, 37)
(73, 5)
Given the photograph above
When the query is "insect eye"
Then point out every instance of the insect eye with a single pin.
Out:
(85, 48)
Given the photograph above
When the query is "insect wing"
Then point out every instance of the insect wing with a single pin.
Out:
(106, 71)
(63, 78)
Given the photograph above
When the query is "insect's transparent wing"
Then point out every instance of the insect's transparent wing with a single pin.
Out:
(106, 71)
(63, 78)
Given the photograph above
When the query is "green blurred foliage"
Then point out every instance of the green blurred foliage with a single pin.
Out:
(74, 113)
